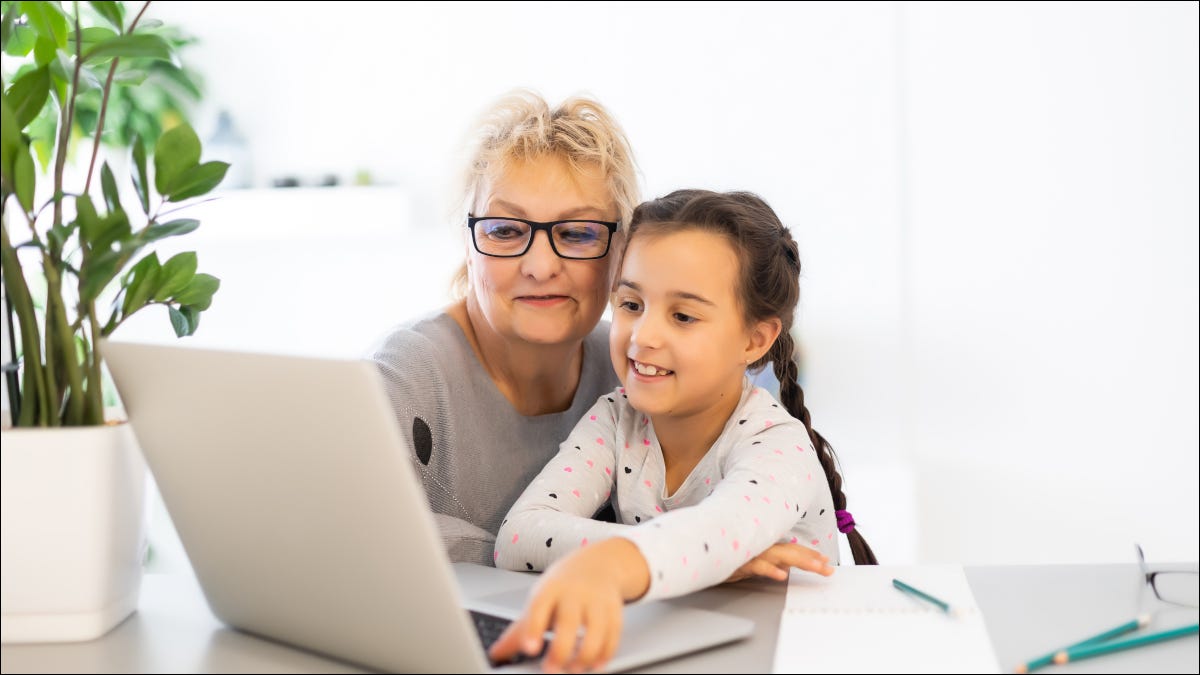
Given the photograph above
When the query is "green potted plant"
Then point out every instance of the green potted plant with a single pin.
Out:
(73, 482)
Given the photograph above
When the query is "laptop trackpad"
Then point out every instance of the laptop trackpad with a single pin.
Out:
(652, 631)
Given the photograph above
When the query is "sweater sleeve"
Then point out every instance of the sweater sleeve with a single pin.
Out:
(553, 515)
(420, 398)
(768, 477)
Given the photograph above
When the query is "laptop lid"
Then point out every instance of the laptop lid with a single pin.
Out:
(297, 504)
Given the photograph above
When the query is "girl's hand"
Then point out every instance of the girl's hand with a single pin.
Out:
(580, 598)
(774, 563)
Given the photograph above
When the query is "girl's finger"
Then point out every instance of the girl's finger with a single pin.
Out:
(566, 634)
(597, 624)
(613, 639)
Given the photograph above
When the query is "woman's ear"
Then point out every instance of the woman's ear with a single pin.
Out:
(761, 338)
(468, 245)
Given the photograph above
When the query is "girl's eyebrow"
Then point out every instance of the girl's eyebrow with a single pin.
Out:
(684, 295)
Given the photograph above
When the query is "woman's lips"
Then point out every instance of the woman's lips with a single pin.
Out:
(542, 300)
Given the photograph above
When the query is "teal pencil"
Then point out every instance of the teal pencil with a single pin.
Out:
(1102, 648)
(921, 594)
(1127, 627)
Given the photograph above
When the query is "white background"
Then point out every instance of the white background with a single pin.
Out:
(996, 206)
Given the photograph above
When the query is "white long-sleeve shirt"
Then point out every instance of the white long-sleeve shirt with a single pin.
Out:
(759, 484)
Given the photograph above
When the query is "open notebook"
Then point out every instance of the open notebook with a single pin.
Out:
(855, 621)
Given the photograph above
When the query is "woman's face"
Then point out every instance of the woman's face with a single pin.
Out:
(539, 297)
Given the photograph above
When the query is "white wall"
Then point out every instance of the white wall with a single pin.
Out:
(996, 207)
(1051, 245)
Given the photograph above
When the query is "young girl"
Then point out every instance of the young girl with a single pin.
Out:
(704, 470)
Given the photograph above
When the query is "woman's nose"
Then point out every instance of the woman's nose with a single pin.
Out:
(540, 261)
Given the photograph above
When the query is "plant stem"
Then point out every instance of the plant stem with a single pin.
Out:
(112, 70)
(64, 132)
(11, 381)
(93, 409)
(60, 339)
(32, 411)
(95, 390)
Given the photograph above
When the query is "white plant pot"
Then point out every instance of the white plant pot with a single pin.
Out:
(73, 533)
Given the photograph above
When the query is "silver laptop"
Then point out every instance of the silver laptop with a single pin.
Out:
(298, 506)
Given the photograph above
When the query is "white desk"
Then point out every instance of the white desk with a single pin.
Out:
(1028, 609)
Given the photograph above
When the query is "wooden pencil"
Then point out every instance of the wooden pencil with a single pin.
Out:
(1102, 648)
(1043, 661)
(921, 594)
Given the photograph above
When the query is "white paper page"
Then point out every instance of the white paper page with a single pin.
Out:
(856, 621)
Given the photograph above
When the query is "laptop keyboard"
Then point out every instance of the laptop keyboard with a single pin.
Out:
(489, 628)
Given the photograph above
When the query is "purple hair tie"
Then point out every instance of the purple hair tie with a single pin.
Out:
(845, 521)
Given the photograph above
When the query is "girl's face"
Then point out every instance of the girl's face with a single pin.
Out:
(679, 343)
(539, 297)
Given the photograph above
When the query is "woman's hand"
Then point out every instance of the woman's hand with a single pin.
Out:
(583, 593)
(774, 563)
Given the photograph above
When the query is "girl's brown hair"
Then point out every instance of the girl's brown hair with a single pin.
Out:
(768, 286)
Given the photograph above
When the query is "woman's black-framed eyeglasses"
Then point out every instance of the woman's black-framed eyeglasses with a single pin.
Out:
(570, 239)
(1177, 587)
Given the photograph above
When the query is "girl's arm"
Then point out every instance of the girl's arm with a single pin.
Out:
(676, 553)
(770, 478)
(553, 516)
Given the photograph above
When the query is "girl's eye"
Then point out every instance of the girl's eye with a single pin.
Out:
(629, 305)
(684, 318)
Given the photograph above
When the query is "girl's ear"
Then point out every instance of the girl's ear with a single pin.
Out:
(761, 338)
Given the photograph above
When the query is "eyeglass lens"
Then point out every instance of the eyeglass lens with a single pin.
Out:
(1180, 588)
(571, 239)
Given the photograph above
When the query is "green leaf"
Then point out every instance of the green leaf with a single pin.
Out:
(44, 50)
(57, 237)
(198, 180)
(48, 20)
(6, 25)
(180, 76)
(140, 182)
(193, 317)
(21, 42)
(95, 35)
(28, 94)
(91, 78)
(171, 229)
(175, 275)
(24, 179)
(140, 284)
(131, 77)
(143, 45)
(109, 185)
(98, 270)
(11, 141)
(179, 322)
(176, 151)
(199, 291)
(112, 13)
(115, 228)
(60, 70)
(90, 223)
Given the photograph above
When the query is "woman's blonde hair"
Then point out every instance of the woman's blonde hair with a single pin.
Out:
(521, 127)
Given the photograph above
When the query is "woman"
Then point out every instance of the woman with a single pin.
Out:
(485, 390)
